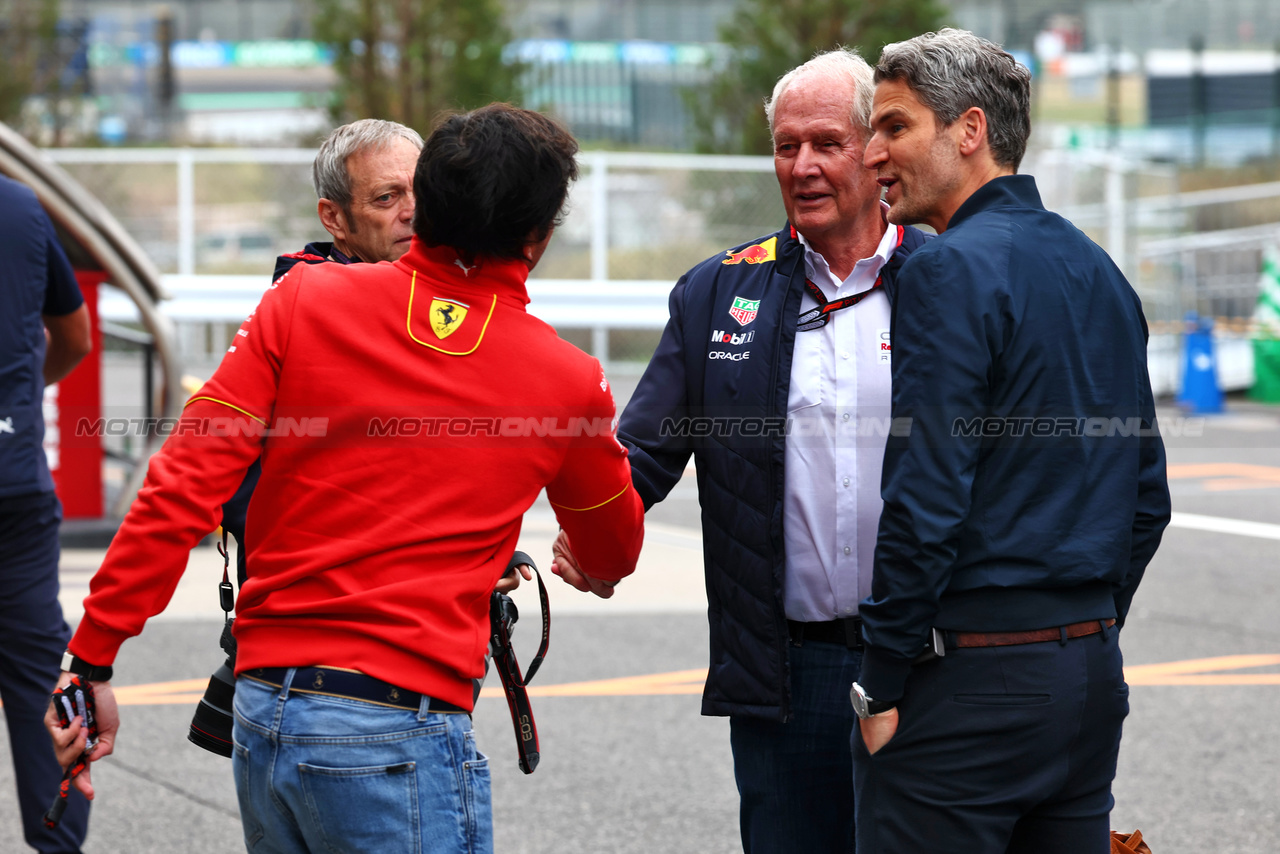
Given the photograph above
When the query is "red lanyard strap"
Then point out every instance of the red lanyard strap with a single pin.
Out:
(816, 318)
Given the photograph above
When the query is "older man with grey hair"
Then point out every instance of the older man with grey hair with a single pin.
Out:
(363, 175)
(1016, 525)
(773, 374)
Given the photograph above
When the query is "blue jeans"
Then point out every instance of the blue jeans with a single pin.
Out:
(319, 774)
(795, 779)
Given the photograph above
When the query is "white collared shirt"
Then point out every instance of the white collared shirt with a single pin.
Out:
(838, 409)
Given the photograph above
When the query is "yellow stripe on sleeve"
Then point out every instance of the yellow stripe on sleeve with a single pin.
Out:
(224, 403)
(594, 506)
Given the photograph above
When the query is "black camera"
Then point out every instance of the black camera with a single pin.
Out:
(211, 725)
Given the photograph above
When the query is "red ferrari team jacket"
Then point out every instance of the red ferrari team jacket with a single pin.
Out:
(407, 415)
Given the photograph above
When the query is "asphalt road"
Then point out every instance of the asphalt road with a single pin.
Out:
(630, 765)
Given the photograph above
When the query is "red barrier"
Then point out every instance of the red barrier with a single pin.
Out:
(75, 455)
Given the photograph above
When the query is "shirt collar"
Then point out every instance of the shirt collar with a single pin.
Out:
(868, 268)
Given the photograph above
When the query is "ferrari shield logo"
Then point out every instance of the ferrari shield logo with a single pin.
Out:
(447, 316)
(744, 310)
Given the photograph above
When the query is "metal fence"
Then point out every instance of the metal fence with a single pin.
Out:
(636, 222)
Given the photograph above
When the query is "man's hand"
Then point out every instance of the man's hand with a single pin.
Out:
(511, 580)
(565, 565)
(68, 744)
(878, 729)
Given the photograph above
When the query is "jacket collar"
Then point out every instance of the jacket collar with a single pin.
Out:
(441, 263)
(1007, 191)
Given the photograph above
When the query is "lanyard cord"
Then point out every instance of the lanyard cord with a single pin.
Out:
(816, 318)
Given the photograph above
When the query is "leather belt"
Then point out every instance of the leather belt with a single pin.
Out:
(351, 685)
(846, 632)
(1062, 634)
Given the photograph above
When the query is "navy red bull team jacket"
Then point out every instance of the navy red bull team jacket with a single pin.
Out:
(717, 389)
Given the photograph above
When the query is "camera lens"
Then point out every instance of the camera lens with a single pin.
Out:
(211, 725)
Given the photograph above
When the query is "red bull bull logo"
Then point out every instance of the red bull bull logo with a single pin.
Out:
(760, 253)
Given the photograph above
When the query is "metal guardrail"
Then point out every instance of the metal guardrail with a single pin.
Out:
(601, 306)
(1140, 232)
(574, 303)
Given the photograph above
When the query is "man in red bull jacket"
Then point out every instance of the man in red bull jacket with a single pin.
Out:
(773, 373)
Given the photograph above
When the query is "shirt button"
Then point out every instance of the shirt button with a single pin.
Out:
(847, 550)
(844, 355)
(846, 416)
(846, 481)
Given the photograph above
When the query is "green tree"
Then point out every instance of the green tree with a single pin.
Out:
(34, 59)
(767, 38)
(407, 60)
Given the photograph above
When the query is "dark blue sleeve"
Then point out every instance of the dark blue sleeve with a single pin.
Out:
(1152, 513)
(657, 455)
(942, 358)
(62, 295)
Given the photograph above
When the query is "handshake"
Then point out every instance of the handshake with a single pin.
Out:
(565, 565)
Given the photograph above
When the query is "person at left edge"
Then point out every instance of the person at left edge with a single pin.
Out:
(375, 550)
(44, 333)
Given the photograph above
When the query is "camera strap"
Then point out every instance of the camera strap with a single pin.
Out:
(226, 593)
(513, 682)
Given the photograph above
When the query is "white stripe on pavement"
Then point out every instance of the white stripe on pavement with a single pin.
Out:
(1220, 525)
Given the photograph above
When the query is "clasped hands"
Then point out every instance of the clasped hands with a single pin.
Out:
(565, 565)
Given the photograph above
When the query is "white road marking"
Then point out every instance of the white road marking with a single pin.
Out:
(1221, 525)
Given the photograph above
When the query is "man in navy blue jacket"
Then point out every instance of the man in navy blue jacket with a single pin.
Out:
(1024, 503)
(773, 373)
(44, 333)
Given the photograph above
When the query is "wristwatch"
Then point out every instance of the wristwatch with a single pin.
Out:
(80, 667)
(865, 707)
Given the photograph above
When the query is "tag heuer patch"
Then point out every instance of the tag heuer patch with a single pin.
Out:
(744, 310)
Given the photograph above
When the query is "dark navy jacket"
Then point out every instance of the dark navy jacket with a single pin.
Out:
(717, 389)
(1031, 491)
(314, 253)
(35, 280)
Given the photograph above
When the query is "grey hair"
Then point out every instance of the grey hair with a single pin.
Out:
(843, 63)
(329, 171)
(953, 70)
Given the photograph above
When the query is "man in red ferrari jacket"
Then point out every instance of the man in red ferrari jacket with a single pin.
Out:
(407, 414)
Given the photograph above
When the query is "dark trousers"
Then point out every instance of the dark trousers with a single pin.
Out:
(999, 750)
(795, 779)
(33, 635)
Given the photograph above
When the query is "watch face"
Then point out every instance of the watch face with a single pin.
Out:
(859, 701)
